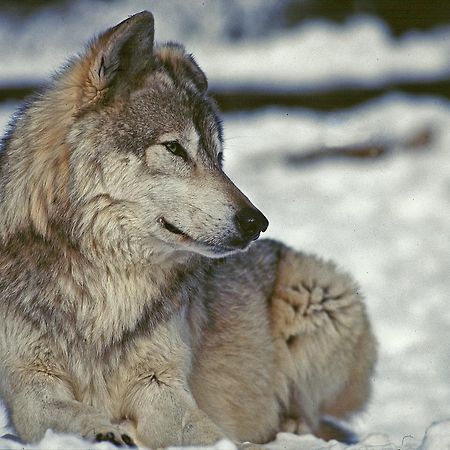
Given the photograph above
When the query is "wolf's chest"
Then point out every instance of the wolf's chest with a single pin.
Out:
(96, 384)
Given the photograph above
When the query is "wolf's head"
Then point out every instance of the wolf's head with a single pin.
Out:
(125, 149)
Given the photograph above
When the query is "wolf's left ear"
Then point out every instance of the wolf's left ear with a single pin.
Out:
(196, 74)
(182, 65)
(119, 56)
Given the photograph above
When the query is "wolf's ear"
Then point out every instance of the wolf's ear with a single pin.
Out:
(182, 65)
(197, 75)
(192, 70)
(118, 57)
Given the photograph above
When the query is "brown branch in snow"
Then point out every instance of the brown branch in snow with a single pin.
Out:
(361, 151)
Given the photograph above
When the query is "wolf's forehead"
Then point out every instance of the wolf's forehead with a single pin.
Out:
(165, 111)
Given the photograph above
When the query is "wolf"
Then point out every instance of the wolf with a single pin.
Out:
(135, 306)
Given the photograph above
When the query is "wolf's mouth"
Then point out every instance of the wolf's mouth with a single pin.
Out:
(172, 228)
(211, 248)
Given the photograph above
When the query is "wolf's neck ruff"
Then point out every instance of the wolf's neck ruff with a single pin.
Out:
(93, 303)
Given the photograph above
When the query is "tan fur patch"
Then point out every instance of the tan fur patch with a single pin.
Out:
(308, 297)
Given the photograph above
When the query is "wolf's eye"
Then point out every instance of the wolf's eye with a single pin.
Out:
(176, 148)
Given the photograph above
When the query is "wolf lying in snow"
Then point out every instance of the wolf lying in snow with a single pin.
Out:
(132, 307)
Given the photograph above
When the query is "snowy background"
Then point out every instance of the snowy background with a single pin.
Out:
(367, 185)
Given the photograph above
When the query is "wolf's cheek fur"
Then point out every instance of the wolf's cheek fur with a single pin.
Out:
(187, 214)
(119, 187)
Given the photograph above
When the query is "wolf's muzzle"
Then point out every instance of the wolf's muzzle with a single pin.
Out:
(250, 223)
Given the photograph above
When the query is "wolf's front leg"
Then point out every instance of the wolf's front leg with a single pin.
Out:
(167, 415)
(39, 400)
(157, 397)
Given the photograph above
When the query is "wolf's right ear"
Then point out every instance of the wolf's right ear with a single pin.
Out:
(117, 58)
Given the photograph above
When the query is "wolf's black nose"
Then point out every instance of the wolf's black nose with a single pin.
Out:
(251, 222)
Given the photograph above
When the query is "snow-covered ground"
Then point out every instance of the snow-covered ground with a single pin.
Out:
(437, 437)
(385, 220)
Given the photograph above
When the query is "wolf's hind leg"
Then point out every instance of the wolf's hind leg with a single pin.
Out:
(325, 347)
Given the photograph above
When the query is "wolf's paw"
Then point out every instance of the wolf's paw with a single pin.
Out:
(295, 426)
(112, 433)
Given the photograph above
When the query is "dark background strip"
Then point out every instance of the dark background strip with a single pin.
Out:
(230, 99)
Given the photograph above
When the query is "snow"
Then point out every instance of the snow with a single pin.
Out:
(385, 220)
(437, 437)
(314, 55)
(318, 55)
